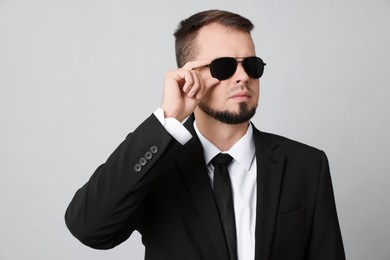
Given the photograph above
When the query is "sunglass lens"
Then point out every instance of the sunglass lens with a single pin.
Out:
(254, 66)
(223, 68)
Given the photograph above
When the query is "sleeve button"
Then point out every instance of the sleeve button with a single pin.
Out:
(142, 161)
(137, 168)
(154, 149)
(148, 155)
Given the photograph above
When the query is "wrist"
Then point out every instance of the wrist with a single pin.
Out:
(173, 114)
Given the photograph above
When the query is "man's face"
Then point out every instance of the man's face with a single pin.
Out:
(235, 99)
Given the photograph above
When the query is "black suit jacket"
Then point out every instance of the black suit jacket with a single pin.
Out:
(154, 185)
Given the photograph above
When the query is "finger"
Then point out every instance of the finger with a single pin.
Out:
(189, 81)
(197, 86)
(191, 65)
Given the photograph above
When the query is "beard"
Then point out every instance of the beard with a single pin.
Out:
(244, 114)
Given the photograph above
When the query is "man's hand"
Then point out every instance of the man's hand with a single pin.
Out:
(184, 88)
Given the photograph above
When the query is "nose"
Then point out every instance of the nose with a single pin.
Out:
(240, 75)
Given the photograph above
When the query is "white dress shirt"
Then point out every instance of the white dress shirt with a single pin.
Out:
(243, 175)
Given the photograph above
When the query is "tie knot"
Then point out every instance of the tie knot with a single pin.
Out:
(222, 158)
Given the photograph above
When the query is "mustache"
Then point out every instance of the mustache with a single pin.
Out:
(237, 88)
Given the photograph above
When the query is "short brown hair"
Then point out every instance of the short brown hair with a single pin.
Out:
(185, 34)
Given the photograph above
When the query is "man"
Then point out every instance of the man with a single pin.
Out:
(269, 198)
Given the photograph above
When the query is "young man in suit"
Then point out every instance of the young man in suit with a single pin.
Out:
(213, 187)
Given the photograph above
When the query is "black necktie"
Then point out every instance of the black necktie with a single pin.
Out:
(224, 197)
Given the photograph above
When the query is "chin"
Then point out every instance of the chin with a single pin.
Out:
(240, 115)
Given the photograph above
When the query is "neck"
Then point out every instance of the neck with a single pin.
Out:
(222, 135)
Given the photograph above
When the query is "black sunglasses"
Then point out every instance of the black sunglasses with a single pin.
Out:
(225, 67)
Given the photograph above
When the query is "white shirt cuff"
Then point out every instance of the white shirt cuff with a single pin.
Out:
(173, 127)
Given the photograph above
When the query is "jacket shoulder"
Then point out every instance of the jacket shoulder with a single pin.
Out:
(287, 146)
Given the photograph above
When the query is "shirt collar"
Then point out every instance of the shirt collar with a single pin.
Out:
(243, 151)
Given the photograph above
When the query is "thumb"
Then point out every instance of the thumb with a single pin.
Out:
(208, 84)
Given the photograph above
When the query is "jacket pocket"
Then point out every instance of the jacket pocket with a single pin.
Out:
(290, 217)
(290, 237)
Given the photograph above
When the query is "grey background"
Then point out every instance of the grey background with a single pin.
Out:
(77, 76)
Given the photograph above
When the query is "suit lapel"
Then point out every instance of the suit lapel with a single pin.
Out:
(269, 176)
(194, 171)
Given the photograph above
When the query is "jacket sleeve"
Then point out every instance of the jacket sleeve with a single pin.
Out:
(109, 207)
(326, 241)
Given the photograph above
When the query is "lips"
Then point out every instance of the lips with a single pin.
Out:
(240, 95)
